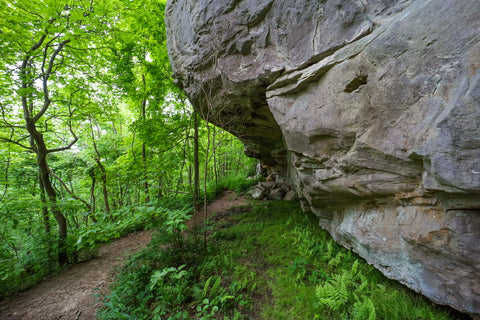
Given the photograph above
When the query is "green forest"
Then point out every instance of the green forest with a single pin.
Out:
(97, 142)
(94, 136)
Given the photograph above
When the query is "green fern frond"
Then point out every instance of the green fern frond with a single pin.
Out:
(330, 249)
(354, 269)
(337, 259)
(334, 295)
(363, 287)
(215, 291)
(343, 292)
(364, 310)
(205, 288)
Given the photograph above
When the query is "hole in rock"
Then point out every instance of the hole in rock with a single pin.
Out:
(353, 85)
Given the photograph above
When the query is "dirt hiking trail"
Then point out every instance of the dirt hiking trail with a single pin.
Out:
(69, 295)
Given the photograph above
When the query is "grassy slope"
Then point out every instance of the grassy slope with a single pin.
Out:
(268, 261)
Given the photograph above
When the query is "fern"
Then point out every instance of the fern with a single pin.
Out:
(335, 261)
(214, 290)
(343, 293)
(206, 287)
(354, 269)
(330, 249)
(363, 287)
(364, 310)
(335, 294)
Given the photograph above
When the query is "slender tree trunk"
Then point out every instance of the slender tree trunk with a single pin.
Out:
(38, 145)
(104, 186)
(37, 142)
(102, 170)
(214, 156)
(160, 185)
(196, 163)
(93, 199)
(59, 217)
(74, 219)
(180, 182)
(124, 194)
(144, 153)
(190, 180)
(228, 162)
(92, 192)
(103, 179)
(121, 195)
(205, 176)
(145, 173)
(237, 168)
(45, 216)
(6, 184)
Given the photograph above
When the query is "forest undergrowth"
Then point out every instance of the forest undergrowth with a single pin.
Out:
(264, 260)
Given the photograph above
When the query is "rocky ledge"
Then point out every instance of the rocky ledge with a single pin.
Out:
(370, 109)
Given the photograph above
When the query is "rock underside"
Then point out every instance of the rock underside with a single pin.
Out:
(369, 109)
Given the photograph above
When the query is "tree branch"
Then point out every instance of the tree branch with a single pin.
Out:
(67, 189)
(30, 12)
(24, 73)
(33, 48)
(63, 148)
(16, 142)
(5, 121)
(75, 138)
(6, 173)
(46, 76)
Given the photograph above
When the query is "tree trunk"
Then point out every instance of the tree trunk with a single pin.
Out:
(46, 218)
(102, 170)
(144, 153)
(190, 180)
(104, 186)
(160, 185)
(214, 156)
(37, 142)
(92, 196)
(196, 163)
(38, 145)
(145, 173)
(59, 217)
(205, 176)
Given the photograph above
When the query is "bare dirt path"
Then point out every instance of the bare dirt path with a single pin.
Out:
(226, 201)
(69, 295)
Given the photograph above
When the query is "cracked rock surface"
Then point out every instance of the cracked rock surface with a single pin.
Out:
(371, 109)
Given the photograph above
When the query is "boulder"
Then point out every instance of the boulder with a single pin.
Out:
(275, 194)
(268, 185)
(290, 195)
(370, 109)
(257, 192)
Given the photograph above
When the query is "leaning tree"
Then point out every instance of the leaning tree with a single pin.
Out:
(46, 75)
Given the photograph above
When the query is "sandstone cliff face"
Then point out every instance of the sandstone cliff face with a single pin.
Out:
(371, 109)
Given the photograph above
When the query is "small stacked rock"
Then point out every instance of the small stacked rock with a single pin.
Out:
(271, 190)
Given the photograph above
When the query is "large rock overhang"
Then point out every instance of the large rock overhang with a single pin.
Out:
(372, 111)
